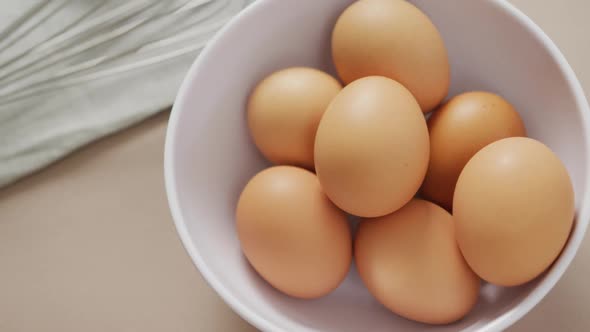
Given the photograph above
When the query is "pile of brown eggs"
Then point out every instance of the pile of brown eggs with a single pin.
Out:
(494, 204)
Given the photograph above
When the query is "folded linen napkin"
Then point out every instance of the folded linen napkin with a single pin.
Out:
(103, 79)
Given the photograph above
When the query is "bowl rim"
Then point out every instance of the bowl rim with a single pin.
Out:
(255, 318)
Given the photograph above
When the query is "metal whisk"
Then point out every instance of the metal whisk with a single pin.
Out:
(41, 52)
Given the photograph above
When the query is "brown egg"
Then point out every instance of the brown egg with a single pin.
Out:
(293, 236)
(514, 209)
(284, 111)
(395, 39)
(460, 128)
(371, 149)
(409, 260)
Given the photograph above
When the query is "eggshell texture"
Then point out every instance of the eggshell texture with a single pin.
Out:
(514, 209)
(371, 149)
(461, 127)
(395, 39)
(284, 111)
(410, 261)
(293, 236)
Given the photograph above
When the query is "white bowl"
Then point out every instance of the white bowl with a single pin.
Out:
(210, 156)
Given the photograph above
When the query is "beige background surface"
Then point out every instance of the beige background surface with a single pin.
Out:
(88, 244)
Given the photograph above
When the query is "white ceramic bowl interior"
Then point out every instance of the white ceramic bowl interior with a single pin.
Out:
(210, 157)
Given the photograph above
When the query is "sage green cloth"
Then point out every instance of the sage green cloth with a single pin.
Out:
(39, 130)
